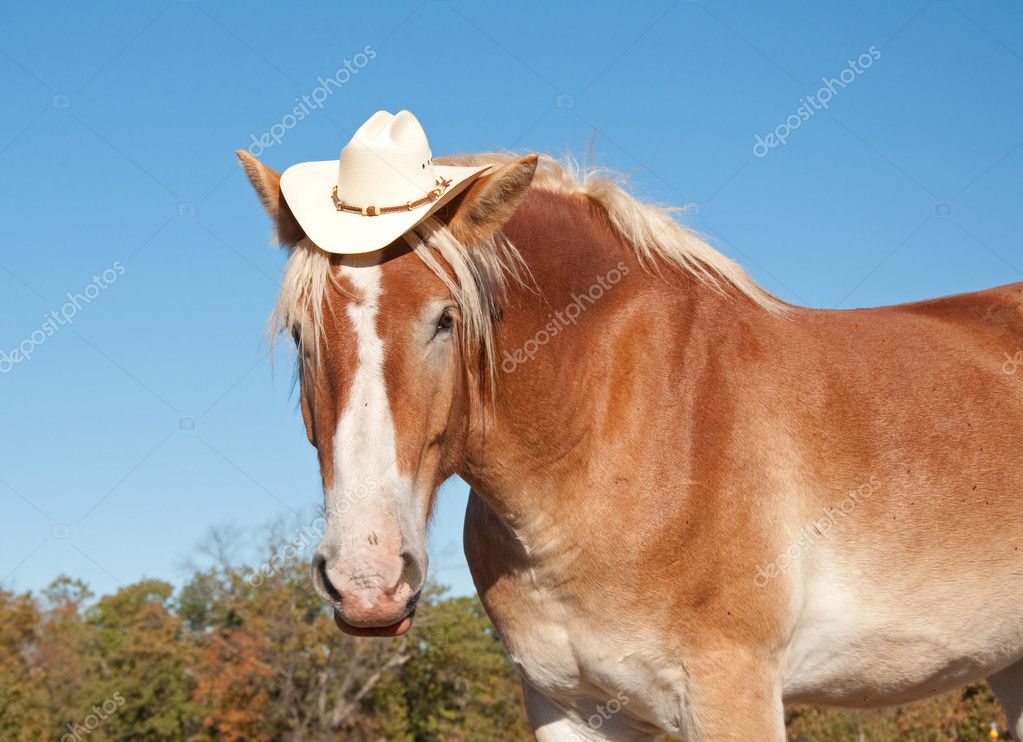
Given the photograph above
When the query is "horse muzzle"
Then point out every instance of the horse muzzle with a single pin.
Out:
(370, 598)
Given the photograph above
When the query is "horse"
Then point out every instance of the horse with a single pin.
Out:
(691, 502)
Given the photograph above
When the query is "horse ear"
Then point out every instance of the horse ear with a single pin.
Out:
(491, 200)
(267, 183)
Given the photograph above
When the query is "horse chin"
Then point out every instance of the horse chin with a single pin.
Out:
(392, 630)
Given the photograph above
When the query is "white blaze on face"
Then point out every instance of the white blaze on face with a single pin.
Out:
(369, 504)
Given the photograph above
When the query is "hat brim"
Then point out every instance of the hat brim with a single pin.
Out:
(307, 189)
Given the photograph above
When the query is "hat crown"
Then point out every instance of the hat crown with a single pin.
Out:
(387, 165)
(387, 162)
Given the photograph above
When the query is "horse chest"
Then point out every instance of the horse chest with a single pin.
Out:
(571, 659)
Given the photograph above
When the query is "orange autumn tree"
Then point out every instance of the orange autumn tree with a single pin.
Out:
(296, 675)
(232, 684)
(244, 653)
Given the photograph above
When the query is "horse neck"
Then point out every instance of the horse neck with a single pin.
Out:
(585, 359)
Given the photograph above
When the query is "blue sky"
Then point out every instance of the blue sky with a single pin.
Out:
(153, 414)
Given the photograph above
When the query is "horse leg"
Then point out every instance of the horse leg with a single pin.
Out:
(551, 723)
(1007, 686)
(730, 697)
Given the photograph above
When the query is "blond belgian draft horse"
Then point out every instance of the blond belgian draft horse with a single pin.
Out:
(692, 502)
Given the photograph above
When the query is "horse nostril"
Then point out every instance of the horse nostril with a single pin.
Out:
(411, 573)
(410, 607)
(322, 581)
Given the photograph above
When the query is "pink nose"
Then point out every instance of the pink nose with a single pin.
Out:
(377, 594)
(375, 606)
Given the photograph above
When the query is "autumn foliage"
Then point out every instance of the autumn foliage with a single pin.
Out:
(229, 657)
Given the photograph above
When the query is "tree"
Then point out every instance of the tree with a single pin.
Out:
(243, 654)
(136, 653)
(458, 683)
(297, 674)
(23, 706)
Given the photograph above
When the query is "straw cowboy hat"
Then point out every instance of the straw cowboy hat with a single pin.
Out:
(384, 184)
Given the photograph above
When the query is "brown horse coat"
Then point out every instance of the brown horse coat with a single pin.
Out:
(690, 501)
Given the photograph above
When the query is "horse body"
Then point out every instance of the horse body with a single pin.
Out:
(675, 444)
(691, 503)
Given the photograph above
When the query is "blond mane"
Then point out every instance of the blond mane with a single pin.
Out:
(479, 278)
(649, 228)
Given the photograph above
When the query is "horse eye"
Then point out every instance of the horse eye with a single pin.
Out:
(446, 321)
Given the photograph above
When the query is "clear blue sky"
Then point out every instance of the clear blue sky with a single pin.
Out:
(155, 414)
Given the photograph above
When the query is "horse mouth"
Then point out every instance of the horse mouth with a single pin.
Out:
(391, 630)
